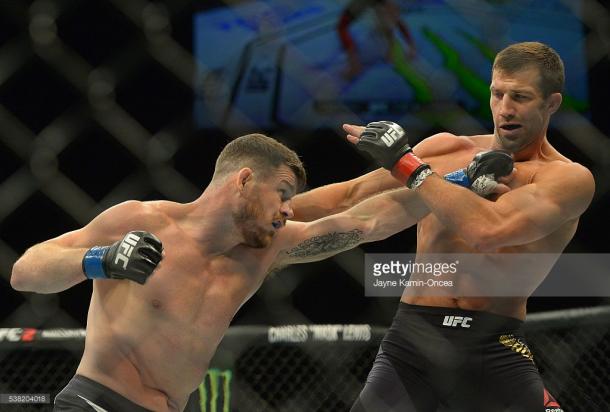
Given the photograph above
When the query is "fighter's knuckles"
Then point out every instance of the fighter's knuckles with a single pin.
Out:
(496, 163)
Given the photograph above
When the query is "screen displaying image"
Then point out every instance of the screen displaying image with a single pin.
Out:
(312, 63)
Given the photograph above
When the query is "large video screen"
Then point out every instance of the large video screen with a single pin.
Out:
(317, 63)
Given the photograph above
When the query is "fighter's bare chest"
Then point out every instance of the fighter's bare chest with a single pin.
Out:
(188, 287)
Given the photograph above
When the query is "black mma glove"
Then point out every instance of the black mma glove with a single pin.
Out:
(482, 174)
(134, 257)
(388, 144)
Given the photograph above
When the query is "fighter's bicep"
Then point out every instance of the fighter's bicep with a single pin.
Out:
(530, 208)
(544, 205)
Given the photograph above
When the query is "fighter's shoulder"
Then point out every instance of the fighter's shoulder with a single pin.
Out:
(566, 170)
(113, 223)
(444, 143)
(129, 209)
(569, 183)
(135, 212)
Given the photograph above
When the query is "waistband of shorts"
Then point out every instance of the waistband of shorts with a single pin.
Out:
(460, 319)
(96, 392)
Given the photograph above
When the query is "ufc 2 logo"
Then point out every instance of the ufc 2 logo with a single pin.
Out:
(126, 248)
(453, 321)
(391, 136)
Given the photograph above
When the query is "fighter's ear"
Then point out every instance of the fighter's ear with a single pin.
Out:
(244, 176)
(554, 101)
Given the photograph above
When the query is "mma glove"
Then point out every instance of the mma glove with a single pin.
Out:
(482, 174)
(387, 142)
(134, 257)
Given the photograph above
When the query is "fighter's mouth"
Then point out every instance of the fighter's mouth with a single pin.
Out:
(510, 126)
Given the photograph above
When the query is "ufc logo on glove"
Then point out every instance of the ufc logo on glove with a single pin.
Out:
(392, 135)
(126, 248)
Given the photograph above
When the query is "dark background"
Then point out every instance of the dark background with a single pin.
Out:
(96, 108)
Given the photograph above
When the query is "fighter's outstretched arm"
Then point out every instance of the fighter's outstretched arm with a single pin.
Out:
(338, 197)
(373, 219)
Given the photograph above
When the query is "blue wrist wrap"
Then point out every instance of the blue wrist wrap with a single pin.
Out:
(459, 177)
(93, 262)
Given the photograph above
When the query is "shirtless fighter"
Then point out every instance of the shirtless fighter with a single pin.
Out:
(426, 364)
(168, 277)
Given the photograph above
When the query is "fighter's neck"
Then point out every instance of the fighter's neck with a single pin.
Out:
(539, 149)
(209, 221)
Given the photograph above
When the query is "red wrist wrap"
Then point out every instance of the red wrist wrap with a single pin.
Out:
(406, 166)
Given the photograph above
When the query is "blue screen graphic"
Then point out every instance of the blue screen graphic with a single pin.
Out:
(269, 64)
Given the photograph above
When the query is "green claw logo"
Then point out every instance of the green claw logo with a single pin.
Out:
(215, 391)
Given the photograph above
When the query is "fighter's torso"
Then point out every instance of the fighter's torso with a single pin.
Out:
(153, 342)
(433, 237)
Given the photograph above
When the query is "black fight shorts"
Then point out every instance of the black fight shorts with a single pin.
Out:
(443, 359)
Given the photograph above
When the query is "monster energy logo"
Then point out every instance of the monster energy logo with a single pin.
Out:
(215, 391)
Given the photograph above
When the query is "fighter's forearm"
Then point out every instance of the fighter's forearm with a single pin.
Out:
(459, 209)
(338, 197)
(48, 268)
(389, 213)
